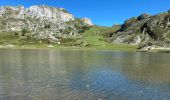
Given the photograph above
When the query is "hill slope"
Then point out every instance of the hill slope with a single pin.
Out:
(147, 31)
(44, 26)
(40, 22)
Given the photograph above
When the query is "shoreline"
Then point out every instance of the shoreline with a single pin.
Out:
(67, 48)
(45, 47)
(81, 49)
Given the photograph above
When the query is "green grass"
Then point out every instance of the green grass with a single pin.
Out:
(13, 38)
(8, 38)
(95, 37)
(168, 35)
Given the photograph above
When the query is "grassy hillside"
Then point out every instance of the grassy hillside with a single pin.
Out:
(14, 38)
(94, 38)
(97, 38)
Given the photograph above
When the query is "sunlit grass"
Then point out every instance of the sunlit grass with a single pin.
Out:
(94, 37)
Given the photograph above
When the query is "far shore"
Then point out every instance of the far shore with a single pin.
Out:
(158, 49)
(47, 47)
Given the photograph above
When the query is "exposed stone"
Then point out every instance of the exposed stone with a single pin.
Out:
(145, 30)
(50, 46)
(58, 43)
(41, 22)
(9, 46)
(136, 40)
(87, 21)
(49, 13)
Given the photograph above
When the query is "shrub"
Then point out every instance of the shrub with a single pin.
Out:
(16, 33)
(47, 26)
(65, 11)
(24, 31)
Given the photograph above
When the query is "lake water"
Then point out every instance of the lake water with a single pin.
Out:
(83, 75)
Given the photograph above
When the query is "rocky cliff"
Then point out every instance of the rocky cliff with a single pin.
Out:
(40, 22)
(147, 31)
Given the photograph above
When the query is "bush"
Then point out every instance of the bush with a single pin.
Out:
(65, 11)
(47, 26)
(16, 33)
(24, 31)
(85, 27)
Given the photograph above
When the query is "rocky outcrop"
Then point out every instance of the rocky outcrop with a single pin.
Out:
(39, 22)
(87, 21)
(49, 13)
(145, 30)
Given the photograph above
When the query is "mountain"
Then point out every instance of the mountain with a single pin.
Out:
(36, 25)
(147, 31)
(41, 22)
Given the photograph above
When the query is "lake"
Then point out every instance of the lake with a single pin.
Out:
(83, 75)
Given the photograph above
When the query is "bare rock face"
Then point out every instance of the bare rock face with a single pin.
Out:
(49, 13)
(145, 31)
(39, 21)
(87, 21)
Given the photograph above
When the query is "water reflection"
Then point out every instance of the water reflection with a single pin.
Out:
(83, 75)
(149, 67)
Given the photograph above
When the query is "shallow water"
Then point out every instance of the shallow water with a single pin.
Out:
(83, 75)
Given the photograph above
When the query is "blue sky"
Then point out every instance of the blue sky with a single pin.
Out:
(102, 12)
